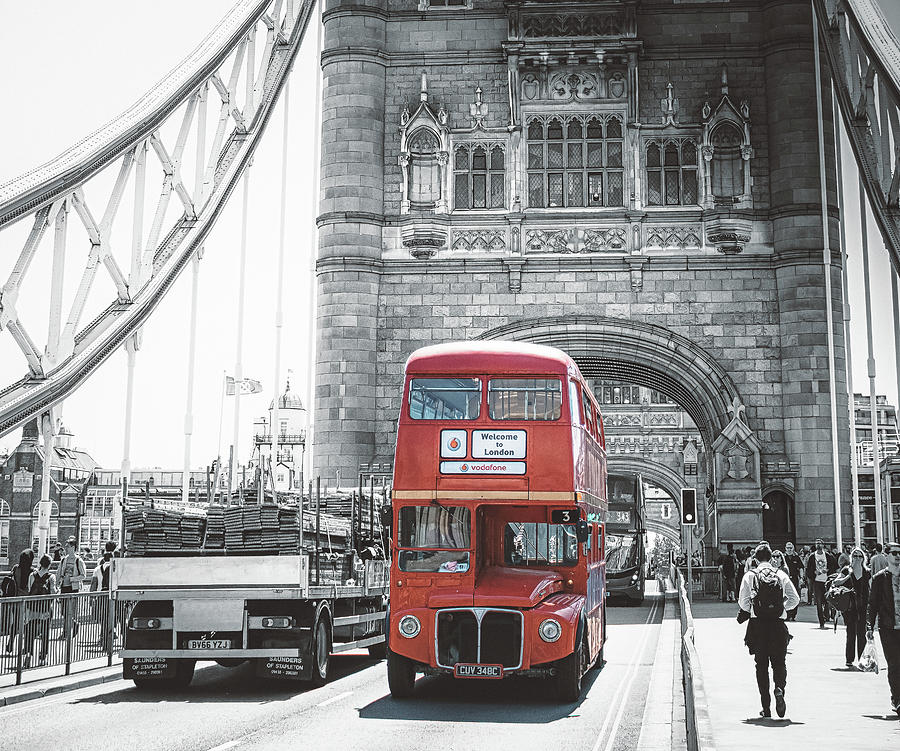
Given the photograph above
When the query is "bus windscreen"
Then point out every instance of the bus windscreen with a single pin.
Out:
(447, 528)
(534, 544)
(621, 552)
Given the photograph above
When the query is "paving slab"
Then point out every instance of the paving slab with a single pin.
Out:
(828, 706)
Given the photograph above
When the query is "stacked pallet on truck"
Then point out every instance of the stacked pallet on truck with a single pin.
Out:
(215, 528)
(151, 530)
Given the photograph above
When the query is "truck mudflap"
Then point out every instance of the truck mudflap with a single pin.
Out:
(148, 667)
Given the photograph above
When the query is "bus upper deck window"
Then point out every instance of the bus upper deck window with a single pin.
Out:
(525, 398)
(444, 398)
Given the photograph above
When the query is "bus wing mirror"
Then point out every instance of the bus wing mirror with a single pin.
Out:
(582, 531)
(387, 516)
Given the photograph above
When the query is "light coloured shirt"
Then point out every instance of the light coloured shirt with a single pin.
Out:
(879, 561)
(895, 585)
(821, 566)
(748, 590)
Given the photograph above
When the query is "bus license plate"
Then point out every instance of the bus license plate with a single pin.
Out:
(469, 670)
(209, 644)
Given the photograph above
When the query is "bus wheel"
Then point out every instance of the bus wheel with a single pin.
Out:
(401, 675)
(321, 652)
(568, 678)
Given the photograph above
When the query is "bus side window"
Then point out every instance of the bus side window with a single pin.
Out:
(588, 412)
(574, 407)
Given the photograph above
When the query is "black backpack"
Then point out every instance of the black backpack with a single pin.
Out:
(7, 586)
(104, 575)
(39, 584)
(768, 602)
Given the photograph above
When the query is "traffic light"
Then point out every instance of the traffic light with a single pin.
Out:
(688, 507)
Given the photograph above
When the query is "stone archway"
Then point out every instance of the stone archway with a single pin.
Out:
(649, 355)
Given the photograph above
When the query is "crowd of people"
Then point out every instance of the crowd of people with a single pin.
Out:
(65, 573)
(864, 586)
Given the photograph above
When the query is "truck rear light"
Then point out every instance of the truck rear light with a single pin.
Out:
(278, 621)
(145, 623)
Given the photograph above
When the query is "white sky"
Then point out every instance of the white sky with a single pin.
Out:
(70, 67)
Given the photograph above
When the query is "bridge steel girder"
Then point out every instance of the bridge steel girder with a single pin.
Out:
(864, 60)
(157, 263)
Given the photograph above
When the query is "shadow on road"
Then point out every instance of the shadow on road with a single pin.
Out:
(772, 722)
(445, 699)
(217, 684)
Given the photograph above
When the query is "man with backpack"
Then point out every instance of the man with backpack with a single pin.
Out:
(70, 574)
(766, 596)
(100, 583)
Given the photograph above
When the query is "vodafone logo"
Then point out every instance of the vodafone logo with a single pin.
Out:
(464, 467)
(454, 444)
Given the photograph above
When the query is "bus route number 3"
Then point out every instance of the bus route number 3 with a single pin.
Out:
(564, 516)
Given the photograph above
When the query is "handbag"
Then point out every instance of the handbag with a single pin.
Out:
(868, 660)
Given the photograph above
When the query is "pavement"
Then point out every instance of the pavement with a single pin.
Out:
(828, 705)
(46, 681)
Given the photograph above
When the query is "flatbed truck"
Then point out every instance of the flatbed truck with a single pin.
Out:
(266, 609)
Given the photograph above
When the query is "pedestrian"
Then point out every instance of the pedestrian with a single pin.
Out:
(57, 552)
(100, 583)
(844, 558)
(765, 598)
(857, 577)
(795, 569)
(41, 582)
(726, 570)
(71, 573)
(819, 566)
(884, 611)
(20, 573)
(805, 553)
(878, 560)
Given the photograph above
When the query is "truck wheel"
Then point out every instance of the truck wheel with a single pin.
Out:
(401, 675)
(569, 672)
(321, 652)
(378, 651)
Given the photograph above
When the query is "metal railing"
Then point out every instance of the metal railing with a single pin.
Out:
(59, 630)
(706, 582)
(696, 712)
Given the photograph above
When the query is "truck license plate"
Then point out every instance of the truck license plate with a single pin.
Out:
(209, 644)
(469, 670)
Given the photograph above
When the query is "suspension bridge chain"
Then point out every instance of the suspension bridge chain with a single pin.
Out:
(864, 57)
(171, 144)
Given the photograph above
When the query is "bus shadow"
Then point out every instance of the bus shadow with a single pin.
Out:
(213, 683)
(512, 700)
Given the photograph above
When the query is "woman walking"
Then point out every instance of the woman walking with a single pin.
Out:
(20, 573)
(857, 577)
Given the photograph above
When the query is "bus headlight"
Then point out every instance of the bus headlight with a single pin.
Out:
(409, 626)
(550, 630)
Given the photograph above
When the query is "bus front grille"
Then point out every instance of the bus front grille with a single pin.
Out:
(479, 635)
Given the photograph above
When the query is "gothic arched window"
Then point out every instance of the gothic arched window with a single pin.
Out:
(479, 176)
(727, 167)
(424, 182)
(575, 161)
(671, 167)
(4, 529)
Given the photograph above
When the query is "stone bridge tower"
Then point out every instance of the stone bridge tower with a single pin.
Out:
(636, 183)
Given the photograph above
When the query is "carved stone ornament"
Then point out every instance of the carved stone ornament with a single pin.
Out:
(675, 237)
(478, 240)
(576, 240)
(736, 448)
(729, 234)
(609, 23)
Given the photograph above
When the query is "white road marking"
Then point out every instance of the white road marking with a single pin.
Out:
(619, 702)
(333, 699)
(229, 744)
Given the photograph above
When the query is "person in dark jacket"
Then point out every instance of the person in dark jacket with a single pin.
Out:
(857, 577)
(819, 566)
(884, 610)
(795, 567)
(20, 573)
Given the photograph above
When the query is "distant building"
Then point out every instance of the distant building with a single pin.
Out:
(886, 430)
(20, 491)
(287, 466)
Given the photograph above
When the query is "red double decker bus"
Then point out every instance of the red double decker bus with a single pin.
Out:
(497, 518)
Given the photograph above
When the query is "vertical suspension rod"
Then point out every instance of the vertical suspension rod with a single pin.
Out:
(192, 363)
(870, 365)
(826, 262)
(279, 285)
(239, 347)
(313, 246)
(854, 460)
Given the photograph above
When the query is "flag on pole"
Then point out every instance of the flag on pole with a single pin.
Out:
(246, 385)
